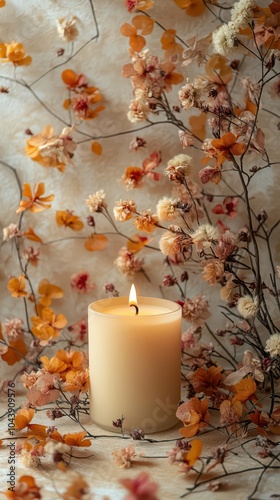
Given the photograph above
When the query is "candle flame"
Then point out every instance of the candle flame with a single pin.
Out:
(132, 296)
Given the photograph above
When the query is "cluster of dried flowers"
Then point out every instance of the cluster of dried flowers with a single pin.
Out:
(232, 394)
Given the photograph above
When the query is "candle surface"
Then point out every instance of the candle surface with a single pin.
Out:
(135, 363)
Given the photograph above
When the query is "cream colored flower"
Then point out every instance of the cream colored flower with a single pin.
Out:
(170, 244)
(125, 456)
(224, 38)
(204, 236)
(166, 209)
(213, 271)
(28, 459)
(124, 209)
(273, 345)
(67, 28)
(95, 202)
(242, 12)
(146, 221)
(248, 306)
(10, 232)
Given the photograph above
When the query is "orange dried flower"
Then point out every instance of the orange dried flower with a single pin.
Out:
(227, 146)
(17, 287)
(194, 414)
(36, 202)
(14, 52)
(76, 381)
(231, 413)
(169, 44)
(191, 456)
(23, 418)
(193, 8)
(77, 439)
(245, 389)
(14, 350)
(25, 488)
(66, 218)
(48, 325)
(49, 292)
(207, 380)
(78, 490)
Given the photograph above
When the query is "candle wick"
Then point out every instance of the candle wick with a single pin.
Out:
(136, 308)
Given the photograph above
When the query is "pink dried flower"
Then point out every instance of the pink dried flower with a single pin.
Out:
(32, 255)
(140, 488)
(80, 329)
(80, 282)
(127, 263)
(190, 337)
(196, 310)
(169, 280)
(13, 328)
(125, 456)
(110, 288)
(213, 271)
(186, 139)
(228, 207)
(226, 245)
(44, 390)
(137, 143)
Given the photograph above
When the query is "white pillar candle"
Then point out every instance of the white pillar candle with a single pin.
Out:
(135, 363)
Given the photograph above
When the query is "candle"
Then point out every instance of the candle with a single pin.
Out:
(135, 362)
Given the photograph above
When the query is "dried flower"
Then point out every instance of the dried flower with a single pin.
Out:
(166, 209)
(78, 490)
(14, 52)
(10, 232)
(248, 307)
(48, 325)
(141, 486)
(171, 244)
(80, 282)
(213, 271)
(273, 345)
(32, 255)
(16, 287)
(127, 263)
(125, 456)
(95, 202)
(194, 414)
(146, 221)
(124, 210)
(137, 143)
(178, 168)
(204, 236)
(67, 28)
(80, 328)
(196, 310)
(13, 328)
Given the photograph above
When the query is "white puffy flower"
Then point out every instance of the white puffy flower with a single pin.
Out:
(204, 236)
(67, 28)
(242, 12)
(273, 345)
(248, 306)
(166, 209)
(95, 202)
(223, 38)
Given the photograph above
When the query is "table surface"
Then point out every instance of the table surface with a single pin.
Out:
(97, 466)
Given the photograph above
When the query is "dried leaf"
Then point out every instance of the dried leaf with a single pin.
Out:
(96, 242)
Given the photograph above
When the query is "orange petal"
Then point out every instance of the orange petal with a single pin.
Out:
(128, 30)
(144, 24)
(137, 42)
(189, 431)
(96, 242)
(198, 125)
(194, 453)
(23, 417)
(68, 76)
(96, 148)
(31, 235)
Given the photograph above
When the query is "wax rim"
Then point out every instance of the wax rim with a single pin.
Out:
(123, 301)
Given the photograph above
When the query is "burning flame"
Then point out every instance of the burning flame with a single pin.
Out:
(132, 296)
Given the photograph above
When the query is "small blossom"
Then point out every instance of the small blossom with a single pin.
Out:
(248, 306)
(231, 413)
(137, 143)
(204, 236)
(194, 415)
(178, 168)
(80, 282)
(80, 328)
(10, 232)
(146, 221)
(278, 271)
(213, 271)
(32, 255)
(110, 288)
(226, 292)
(14, 52)
(29, 459)
(124, 457)
(127, 263)
(171, 244)
(169, 280)
(273, 345)
(196, 310)
(13, 328)
(67, 28)
(186, 139)
(96, 202)
(140, 488)
(166, 209)
(137, 434)
(124, 209)
(54, 413)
